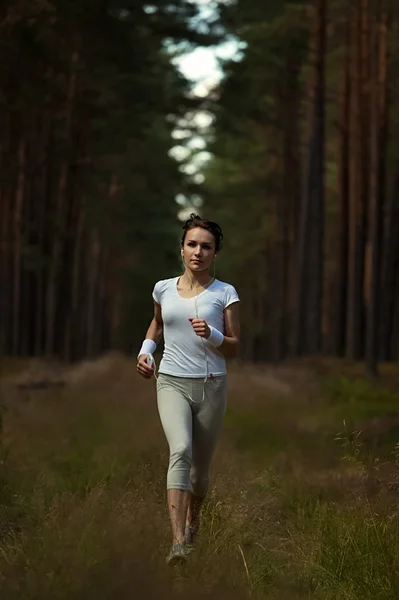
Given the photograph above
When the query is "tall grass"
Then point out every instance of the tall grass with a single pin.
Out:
(296, 510)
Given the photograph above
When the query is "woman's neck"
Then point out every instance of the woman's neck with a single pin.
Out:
(195, 280)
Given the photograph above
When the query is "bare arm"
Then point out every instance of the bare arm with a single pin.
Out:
(231, 340)
(154, 332)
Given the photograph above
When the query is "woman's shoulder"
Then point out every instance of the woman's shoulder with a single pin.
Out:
(162, 286)
(223, 285)
(164, 283)
(227, 291)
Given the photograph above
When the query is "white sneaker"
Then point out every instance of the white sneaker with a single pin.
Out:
(177, 554)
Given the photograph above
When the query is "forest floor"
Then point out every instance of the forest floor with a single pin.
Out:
(304, 500)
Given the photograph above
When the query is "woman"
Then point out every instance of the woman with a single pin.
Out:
(199, 318)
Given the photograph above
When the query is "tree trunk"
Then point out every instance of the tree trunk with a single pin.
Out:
(390, 272)
(343, 237)
(116, 315)
(5, 256)
(5, 277)
(355, 307)
(102, 305)
(72, 320)
(93, 272)
(372, 246)
(394, 341)
(58, 240)
(39, 309)
(26, 300)
(377, 189)
(309, 321)
(365, 157)
(288, 208)
(19, 199)
(41, 202)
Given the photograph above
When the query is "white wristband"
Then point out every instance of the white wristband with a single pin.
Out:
(148, 347)
(216, 337)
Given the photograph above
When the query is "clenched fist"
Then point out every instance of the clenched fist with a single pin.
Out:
(200, 327)
(143, 368)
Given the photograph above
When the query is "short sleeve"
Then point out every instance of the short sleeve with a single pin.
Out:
(157, 292)
(231, 296)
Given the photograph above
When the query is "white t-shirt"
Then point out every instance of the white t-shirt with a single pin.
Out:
(186, 354)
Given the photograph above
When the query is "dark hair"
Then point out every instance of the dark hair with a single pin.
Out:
(213, 228)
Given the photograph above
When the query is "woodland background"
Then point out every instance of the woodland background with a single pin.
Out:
(104, 149)
(303, 172)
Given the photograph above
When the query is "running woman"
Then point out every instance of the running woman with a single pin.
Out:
(198, 316)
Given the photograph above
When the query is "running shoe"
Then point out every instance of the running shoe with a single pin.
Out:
(177, 554)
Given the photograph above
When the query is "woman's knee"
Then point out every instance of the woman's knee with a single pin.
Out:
(179, 467)
(181, 452)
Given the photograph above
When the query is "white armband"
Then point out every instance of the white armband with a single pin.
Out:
(216, 337)
(148, 347)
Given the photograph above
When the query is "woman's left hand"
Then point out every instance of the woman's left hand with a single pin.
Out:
(200, 327)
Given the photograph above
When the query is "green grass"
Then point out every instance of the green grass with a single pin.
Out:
(301, 505)
(359, 398)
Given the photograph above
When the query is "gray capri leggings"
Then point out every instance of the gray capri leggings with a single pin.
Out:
(192, 428)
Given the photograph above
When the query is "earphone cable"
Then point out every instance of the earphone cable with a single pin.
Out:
(151, 360)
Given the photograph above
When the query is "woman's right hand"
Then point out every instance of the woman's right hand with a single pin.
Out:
(143, 368)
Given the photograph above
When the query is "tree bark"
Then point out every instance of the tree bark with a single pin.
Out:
(72, 319)
(390, 272)
(26, 300)
(394, 341)
(377, 189)
(5, 278)
(58, 240)
(93, 272)
(355, 307)
(309, 318)
(102, 305)
(39, 308)
(288, 208)
(5, 257)
(19, 199)
(343, 204)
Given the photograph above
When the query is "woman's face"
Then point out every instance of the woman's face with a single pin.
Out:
(198, 250)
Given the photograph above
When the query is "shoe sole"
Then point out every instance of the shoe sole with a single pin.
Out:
(176, 560)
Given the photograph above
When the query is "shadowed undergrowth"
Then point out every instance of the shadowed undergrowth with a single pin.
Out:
(303, 504)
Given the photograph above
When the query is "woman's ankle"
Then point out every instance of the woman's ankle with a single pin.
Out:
(178, 541)
(193, 523)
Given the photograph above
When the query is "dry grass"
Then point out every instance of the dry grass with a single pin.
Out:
(82, 499)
